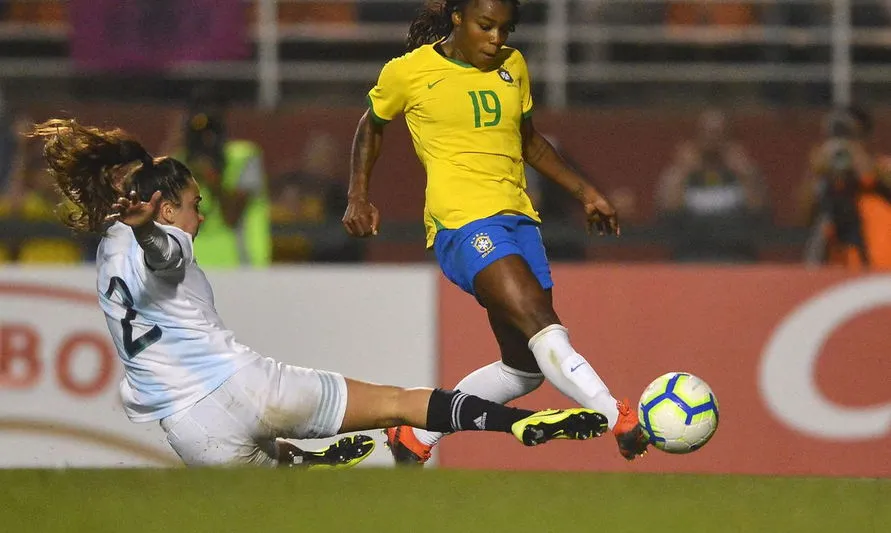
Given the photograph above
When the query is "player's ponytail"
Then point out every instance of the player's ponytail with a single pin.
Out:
(93, 167)
(434, 21)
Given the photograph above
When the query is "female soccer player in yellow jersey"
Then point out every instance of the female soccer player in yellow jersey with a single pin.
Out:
(466, 99)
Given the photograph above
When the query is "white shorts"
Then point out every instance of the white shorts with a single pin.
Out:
(239, 421)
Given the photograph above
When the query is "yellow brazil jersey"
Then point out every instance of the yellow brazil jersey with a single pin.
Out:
(465, 126)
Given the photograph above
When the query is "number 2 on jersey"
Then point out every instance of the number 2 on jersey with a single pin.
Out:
(485, 101)
(132, 346)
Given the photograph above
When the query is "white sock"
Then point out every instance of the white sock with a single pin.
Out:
(571, 373)
(497, 383)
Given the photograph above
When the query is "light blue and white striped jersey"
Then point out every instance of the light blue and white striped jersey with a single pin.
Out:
(173, 344)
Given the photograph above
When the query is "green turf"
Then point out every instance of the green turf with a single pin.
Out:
(379, 500)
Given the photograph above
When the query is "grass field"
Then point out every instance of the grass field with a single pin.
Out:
(380, 500)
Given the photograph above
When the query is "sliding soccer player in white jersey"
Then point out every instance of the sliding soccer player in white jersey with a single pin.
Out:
(219, 402)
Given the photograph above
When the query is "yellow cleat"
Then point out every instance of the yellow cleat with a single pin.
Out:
(345, 453)
(576, 424)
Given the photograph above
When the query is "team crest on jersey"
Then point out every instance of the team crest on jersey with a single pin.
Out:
(483, 244)
(505, 75)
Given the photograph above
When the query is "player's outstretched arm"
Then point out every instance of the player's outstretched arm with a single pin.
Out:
(160, 252)
(541, 155)
(362, 218)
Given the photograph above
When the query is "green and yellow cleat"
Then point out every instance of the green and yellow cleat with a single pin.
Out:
(345, 453)
(576, 424)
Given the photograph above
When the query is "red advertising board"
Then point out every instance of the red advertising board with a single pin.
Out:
(800, 361)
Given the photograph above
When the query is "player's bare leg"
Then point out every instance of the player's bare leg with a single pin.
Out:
(380, 406)
(511, 293)
(514, 376)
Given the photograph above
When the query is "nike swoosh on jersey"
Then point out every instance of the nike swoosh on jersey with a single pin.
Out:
(431, 85)
(573, 369)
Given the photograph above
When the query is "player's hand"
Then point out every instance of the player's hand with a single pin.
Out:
(599, 213)
(134, 212)
(361, 218)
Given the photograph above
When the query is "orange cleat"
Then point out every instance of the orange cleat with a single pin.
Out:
(630, 435)
(405, 447)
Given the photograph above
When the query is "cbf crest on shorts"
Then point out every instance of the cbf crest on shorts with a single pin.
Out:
(483, 244)
(505, 75)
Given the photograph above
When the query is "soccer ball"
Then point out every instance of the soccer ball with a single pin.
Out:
(679, 412)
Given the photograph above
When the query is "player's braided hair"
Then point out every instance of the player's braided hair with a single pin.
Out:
(434, 21)
(93, 167)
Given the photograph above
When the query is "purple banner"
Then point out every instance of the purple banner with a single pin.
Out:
(151, 35)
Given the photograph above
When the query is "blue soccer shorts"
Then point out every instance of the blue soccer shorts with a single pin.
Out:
(464, 252)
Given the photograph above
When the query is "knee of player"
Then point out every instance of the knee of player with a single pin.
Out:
(543, 316)
(534, 314)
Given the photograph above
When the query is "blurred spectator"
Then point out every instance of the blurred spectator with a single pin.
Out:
(851, 206)
(711, 196)
(839, 124)
(711, 173)
(236, 228)
(32, 198)
(311, 200)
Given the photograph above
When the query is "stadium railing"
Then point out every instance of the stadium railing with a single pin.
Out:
(631, 43)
